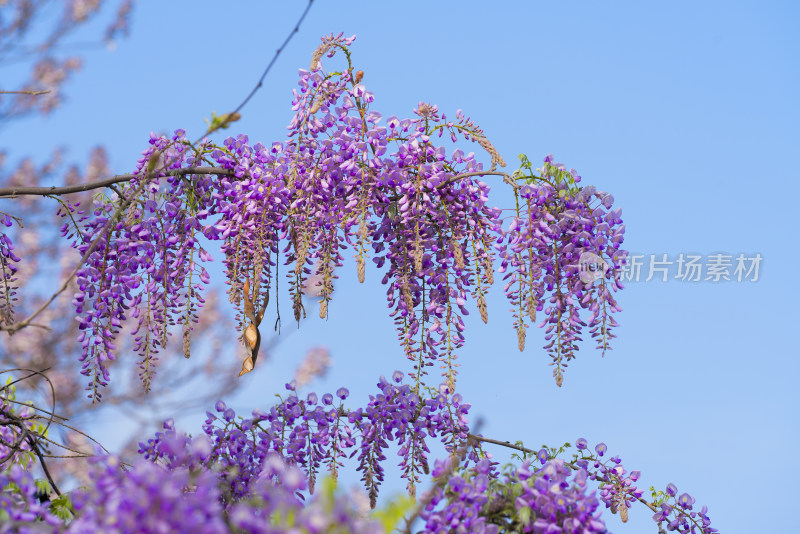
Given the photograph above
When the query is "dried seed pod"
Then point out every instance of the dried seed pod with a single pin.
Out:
(521, 337)
(323, 309)
(251, 336)
(247, 366)
(249, 310)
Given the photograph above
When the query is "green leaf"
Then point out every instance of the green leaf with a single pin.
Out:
(392, 512)
(62, 507)
(524, 515)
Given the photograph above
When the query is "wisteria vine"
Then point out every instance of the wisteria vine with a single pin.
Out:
(343, 181)
(252, 474)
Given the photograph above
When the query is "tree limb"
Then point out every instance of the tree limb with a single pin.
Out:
(11, 192)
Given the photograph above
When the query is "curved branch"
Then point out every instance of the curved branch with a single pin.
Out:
(533, 452)
(12, 192)
(31, 93)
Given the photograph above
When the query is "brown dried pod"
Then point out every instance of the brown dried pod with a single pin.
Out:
(247, 366)
(249, 310)
(251, 337)
(521, 338)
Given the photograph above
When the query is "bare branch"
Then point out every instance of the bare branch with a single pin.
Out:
(271, 63)
(31, 93)
(11, 192)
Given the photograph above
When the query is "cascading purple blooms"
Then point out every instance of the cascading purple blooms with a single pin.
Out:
(618, 491)
(244, 474)
(548, 499)
(8, 271)
(340, 180)
(315, 434)
(556, 223)
(145, 264)
(147, 497)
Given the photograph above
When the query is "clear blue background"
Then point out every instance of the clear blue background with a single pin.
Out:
(687, 112)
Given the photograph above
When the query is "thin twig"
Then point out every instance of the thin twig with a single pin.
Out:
(35, 447)
(32, 93)
(231, 115)
(123, 205)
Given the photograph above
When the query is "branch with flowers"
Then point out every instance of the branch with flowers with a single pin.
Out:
(341, 181)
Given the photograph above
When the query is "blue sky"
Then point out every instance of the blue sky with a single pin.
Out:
(687, 113)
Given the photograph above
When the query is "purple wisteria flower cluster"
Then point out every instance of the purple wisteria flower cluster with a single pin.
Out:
(15, 426)
(252, 474)
(147, 497)
(21, 511)
(342, 180)
(8, 272)
(549, 499)
(317, 433)
(556, 227)
(618, 491)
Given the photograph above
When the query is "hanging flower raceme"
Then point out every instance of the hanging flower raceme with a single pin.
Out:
(143, 260)
(8, 273)
(343, 179)
(561, 254)
(317, 433)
